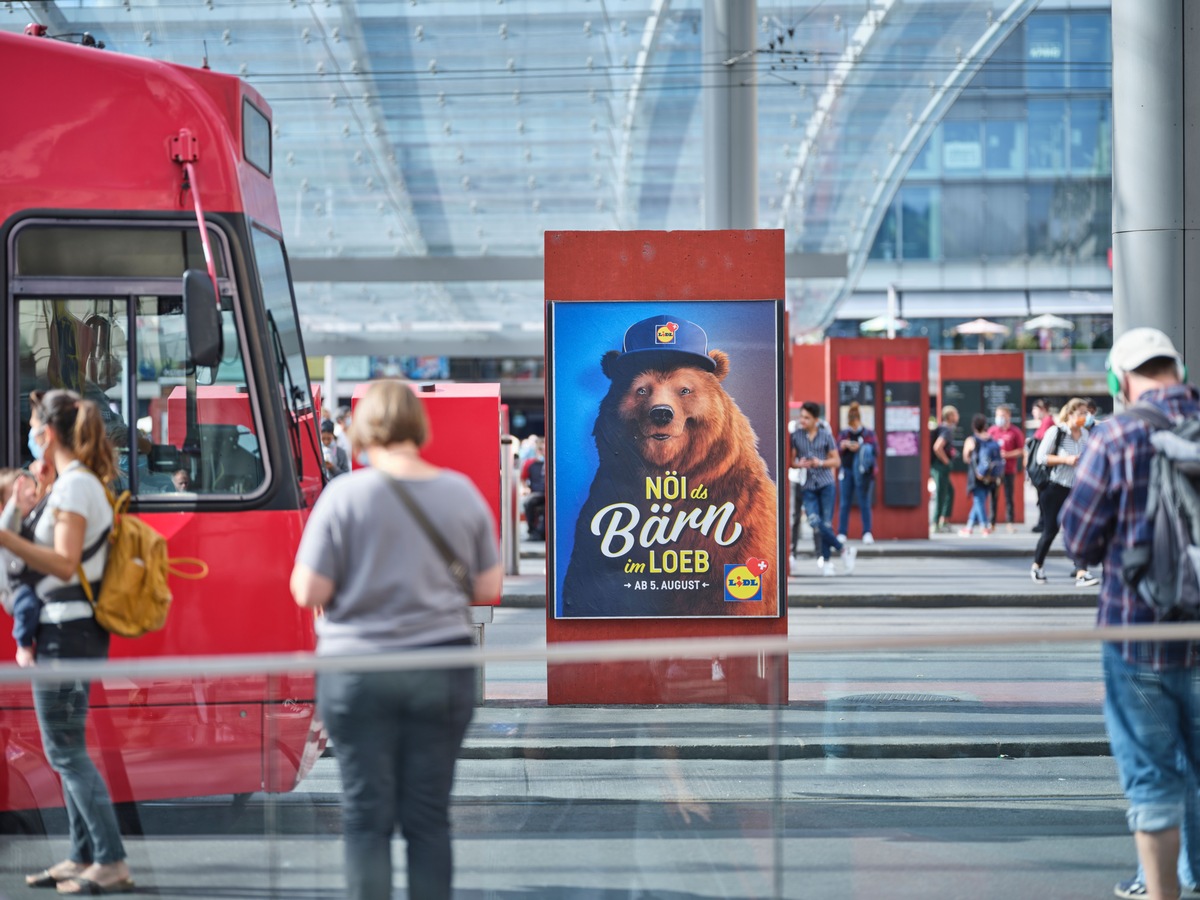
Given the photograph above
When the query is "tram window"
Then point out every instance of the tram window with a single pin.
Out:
(277, 296)
(104, 252)
(80, 345)
(176, 429)
(199, 423)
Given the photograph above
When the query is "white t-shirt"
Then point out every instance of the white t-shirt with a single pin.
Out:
(76, 490)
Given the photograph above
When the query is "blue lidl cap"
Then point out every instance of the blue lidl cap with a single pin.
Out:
(665, 342)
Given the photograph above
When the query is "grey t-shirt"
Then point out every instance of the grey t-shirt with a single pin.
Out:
(392, 588)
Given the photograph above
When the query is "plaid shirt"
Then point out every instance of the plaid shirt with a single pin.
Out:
(1105, 513)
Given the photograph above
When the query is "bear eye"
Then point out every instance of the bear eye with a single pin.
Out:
(642, 391)
(685, 390)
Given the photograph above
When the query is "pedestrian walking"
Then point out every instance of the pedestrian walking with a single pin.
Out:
(1152, 693)
(68, 536)
(1060, 450)
(1012, 448)
(943, 453)
(373, 558)
(1042, 420)
(982, 455)
(856, 473)
(815, 454)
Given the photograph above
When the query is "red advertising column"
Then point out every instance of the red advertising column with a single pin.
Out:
(980, 383)
(664, 451)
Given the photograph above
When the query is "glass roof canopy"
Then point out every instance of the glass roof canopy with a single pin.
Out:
(423, 147)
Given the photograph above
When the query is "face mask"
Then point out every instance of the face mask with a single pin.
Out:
(363, 459)
(34, 447)
(1002, 421)
(1090, 422)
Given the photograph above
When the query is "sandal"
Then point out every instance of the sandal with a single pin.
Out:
(47, 878)
(87, 887)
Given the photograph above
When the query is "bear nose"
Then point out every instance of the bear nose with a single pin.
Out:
(661, 415)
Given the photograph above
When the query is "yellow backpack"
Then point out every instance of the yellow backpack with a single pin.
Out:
(134, 594)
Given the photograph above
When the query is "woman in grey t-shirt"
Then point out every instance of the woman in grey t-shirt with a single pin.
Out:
(382, 586)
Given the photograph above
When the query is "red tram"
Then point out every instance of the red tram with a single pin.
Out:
(118, 175)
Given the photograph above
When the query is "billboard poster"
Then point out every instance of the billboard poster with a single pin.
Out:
(665, 450)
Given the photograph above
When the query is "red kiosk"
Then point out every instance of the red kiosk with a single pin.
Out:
(889, 379)
(609, 273)
(978, 383)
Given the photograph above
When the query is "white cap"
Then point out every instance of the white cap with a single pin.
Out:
(1139, 345)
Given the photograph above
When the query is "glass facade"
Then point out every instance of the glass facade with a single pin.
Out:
(1022, 164)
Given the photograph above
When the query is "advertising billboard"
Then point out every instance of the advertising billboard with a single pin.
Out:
(665, 450)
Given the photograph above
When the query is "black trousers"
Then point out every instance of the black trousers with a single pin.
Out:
(1052, 499)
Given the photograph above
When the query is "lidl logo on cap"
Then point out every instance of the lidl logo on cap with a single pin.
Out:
(743, 581)
(665, 334)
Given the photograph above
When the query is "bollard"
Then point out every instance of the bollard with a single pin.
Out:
(510, 544)
(480, 616)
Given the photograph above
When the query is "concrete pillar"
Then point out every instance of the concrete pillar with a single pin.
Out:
(730, 114)
(1156, 176)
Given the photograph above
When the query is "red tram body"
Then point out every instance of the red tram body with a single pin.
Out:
(99, 218)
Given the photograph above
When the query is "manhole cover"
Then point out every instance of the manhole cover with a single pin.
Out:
(891, 699)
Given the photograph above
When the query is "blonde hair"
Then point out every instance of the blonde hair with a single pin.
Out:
(853, 414)
(947, 410)
(1069, 409)
(388, 413)
(8, 480)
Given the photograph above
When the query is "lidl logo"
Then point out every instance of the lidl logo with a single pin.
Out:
(742, 582)
(665, 334)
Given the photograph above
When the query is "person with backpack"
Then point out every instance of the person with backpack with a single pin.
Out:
(70, 536)
(857, 448)
(985, 466)
(1059, 451)
(1012, 447)
(1151, 691)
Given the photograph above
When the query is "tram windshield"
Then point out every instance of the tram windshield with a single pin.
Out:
(120, 339)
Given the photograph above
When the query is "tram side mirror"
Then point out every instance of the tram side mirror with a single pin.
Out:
(205, 339)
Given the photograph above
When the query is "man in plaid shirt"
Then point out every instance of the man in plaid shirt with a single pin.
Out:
(1152, 689)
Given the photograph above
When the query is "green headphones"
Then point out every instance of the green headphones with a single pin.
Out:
(1115, 375)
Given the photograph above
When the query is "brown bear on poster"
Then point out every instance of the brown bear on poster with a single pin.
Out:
(669, 415)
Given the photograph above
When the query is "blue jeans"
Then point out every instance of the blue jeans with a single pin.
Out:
(854, 486)
(818, 507)
(62, 710)
(1153, 721)
(978, 514)
(396, 736)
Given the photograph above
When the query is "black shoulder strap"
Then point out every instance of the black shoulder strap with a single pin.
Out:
(458, 569)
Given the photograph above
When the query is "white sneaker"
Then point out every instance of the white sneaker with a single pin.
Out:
(849, 555)
(828, 571)
(842, 538)
(868, 538)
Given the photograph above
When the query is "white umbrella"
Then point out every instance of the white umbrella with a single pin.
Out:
(881, 323)
(1046, 320)
(981, 327)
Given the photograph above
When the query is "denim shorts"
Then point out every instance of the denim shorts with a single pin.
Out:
(1153, 720)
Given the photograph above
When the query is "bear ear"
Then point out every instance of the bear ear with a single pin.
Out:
(722, 361)
(608, 363)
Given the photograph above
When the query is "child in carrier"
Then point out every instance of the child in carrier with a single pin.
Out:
(18, 495)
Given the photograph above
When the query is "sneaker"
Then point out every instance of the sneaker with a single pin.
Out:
(820, 562)
(828, 571)
(1010, 529)
(1131, 890)
(1086, 579)
(1037, 573)
(986, 532)
(849, 556)
(1037, 529)
(964, 532)
(868, 538)
(841, 539)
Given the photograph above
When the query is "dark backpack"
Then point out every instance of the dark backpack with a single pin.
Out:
(1038, 473)
(864, 460)
(1165, 572)
(989, 464)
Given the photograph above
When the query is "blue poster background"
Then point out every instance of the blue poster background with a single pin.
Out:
(582, 332)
